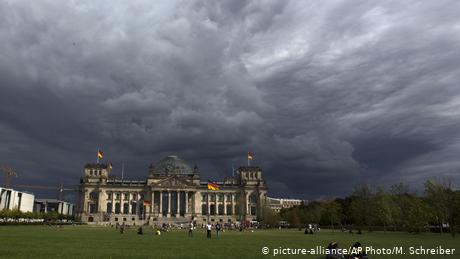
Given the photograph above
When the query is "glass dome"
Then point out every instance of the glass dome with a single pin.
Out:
(171, 165)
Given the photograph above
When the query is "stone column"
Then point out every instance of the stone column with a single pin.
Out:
(186, 203)
(194, 203)
(99, 201)
(137, 204)
(225, 204)
(233, 205)
(216, 204)
(178, 204)
(169, 204)
(207, 204)
(130, 211)
(247, 204)
(152, 203)
(113, 203)
(160, 214)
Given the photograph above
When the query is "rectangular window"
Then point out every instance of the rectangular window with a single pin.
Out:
(125, 208)
(109, 195)
(253, 210)
(204, 209)
(117, 196)
(221, 197)
(213, 197)
(229, 209)
(212, 209)
(92, 208)
(117, 208)
(221, 209)
(133, 208)
(109, 207)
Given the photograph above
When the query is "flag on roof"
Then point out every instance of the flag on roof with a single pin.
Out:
(213, 186)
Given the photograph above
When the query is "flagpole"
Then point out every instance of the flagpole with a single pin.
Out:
(97, 155)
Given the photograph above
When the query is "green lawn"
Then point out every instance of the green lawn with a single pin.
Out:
(101, 242)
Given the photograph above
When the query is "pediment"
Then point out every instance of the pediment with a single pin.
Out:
(173, 182)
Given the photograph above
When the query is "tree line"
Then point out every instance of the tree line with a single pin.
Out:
(367, 208)
(16, 215)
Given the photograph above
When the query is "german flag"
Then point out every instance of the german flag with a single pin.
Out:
(213, 186)
(250, 156)
(100, 154)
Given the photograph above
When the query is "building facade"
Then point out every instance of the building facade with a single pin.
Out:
(53, 205)
(276, 204)
(173, 192)
(12, 199)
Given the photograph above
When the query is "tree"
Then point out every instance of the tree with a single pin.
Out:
(361, 206)
(331, 212)
(313, 212)
(417, 215)
(266, 215)
(399, 194)
(293, 218)
(443, 203)
(384, 208)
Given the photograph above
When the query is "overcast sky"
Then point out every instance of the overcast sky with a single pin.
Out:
(326, 94)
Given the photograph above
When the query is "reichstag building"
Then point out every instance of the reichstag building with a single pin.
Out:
(173, 192)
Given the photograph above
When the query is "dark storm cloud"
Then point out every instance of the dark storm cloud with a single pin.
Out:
(327, 94)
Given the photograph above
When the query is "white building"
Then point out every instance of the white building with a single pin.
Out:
(11, 199)
(276, 204)
(50, 205)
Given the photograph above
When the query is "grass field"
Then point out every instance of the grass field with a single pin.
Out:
(100, 242)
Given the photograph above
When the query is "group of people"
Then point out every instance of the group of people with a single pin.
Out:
(140, 231)
(191, 228)
(218, 228)
(357, 252)
(311, 228)
(209, 226)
